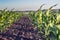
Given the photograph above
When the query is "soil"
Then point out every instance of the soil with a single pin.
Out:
(23, 29)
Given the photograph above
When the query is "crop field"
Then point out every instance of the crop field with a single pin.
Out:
(37, 25)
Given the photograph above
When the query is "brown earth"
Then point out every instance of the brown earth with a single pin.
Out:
(23, 29)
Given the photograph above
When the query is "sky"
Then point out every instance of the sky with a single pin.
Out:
(22, 5)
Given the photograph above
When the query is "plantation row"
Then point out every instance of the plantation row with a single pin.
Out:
(48, 22)
(7, 18)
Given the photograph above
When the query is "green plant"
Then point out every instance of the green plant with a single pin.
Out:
(47, 21)
(7, 18)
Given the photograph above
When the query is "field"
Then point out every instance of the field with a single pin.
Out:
(35, 25)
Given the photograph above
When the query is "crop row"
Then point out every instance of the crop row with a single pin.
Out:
(7, 18)
(48, 23)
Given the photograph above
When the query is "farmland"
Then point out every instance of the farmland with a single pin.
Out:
(30, 25)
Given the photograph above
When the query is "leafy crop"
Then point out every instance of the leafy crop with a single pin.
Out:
(7, 18)
(48, 23)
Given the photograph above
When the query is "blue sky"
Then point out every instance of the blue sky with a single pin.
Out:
(28, 4)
